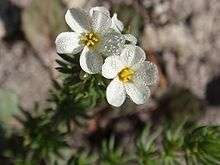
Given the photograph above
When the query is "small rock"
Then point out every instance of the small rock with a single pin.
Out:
(188, 42)
(21, 71)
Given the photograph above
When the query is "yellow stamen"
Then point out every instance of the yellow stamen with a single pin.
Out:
(126, 74)
(90, 39)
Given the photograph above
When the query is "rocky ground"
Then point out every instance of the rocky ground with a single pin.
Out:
(181, 36)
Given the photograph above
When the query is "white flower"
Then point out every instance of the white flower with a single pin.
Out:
(131, 74)
(91, 30)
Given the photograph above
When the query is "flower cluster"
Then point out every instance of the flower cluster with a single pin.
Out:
(105, 50)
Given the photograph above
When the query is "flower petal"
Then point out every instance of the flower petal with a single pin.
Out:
(131, 39)
(112, 43)
(111, 67)
(146, 74)
(99, 8)
(117, 25)
(91, 62)
(132, 55)
(138, 95)
(100, 21)
(68, 42)
(78, 20)
(115, 93)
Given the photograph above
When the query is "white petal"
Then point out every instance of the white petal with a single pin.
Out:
(132, 55)
(91, 62)
(117, 25)
(115, 93)
(112, 43)
(131, 39)
(111, 67)
(138, 95)
(68, 42)
(100, 21)
(78, 20)
(146, 74)
(99, 8)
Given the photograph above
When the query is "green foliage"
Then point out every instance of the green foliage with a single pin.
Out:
(111, 155)
(82, 158)
(146, 148)
(200, 145)
(172, 144)
(78, 93)
(163, 146)
(87, 90)
(39, 141)
(203, 145)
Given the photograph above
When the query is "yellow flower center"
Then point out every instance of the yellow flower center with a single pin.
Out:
(126, 74)
(90, 39)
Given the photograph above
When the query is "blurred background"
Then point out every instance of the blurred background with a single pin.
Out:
(181, 36)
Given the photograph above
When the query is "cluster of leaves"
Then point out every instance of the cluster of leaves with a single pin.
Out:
(38, 141)
(78, 93)
(182, 145)
(42, 143)
(164, 146)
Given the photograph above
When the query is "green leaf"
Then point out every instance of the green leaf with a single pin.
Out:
(146, 147)
(203, 145)
(113, 155)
